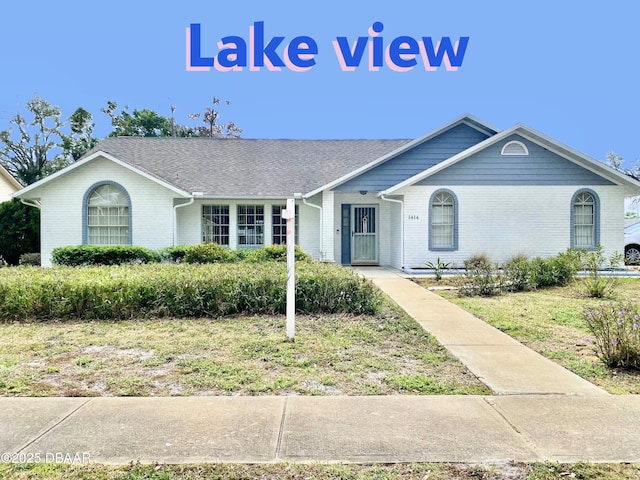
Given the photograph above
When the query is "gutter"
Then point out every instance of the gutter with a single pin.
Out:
(24, 202)
(401, 228)
(175, 214)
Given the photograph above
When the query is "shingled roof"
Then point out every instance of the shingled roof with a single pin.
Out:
(244, 167)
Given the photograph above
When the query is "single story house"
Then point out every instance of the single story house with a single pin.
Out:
(462, 189)
(8, 185)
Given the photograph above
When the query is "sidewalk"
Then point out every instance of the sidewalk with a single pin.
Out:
(540, 412)
(466, 429)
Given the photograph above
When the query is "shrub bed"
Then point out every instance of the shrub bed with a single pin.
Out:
(83, 255)
(127, 291)
(482, 277)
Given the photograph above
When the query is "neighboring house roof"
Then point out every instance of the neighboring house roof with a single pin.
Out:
(9, 178)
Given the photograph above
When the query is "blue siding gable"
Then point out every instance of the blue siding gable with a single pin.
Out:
(416, 160)
(540, 167)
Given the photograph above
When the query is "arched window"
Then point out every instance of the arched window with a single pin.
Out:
(514, 148)
(585, 219)
(107, 210)
(443, 221)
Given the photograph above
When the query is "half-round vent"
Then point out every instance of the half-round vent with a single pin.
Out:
(515, 148)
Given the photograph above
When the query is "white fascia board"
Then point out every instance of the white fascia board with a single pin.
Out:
(99, 154)
(467, 119)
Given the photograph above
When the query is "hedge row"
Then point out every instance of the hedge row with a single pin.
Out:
(163, 290)
(84, 255)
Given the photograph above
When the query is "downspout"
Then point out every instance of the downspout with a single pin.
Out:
(402, 227)
(304, 200)
(175, 215)
(24, 202)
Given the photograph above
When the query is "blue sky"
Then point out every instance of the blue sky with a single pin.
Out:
(570, 73)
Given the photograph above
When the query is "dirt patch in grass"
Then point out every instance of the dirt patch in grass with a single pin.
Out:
(549, 321)
(421, 471)
(331, 355)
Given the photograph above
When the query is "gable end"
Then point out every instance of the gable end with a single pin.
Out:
(416, 160)
(491, 167)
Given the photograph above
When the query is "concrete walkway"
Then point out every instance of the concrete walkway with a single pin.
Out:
(505, 365)
(540, 412)
(466, 429)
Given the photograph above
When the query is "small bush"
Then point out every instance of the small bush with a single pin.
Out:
(478, 260)
(481, 277)
(437, 267)
(616, 334)
(555, 271)
(518, 273)
(85, 255)
(594, 284)
(275, 253)
(32, 259)
(173, 254)
(208, 253)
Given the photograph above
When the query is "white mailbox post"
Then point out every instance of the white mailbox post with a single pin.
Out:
(290, 215)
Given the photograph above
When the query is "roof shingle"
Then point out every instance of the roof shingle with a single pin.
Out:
(245, 167)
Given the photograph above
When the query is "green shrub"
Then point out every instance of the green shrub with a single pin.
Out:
(518, 274)
(616, 334)
(173, 254)
(208, 253)
(555, 271)
(481, 277)
(184, 290)
(275, 253)
(85, 255)
(32, 259)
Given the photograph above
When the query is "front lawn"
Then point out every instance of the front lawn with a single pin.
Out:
(550, 322)
(387, 353)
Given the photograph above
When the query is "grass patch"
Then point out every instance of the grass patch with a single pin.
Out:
(284, 471)
(387, 353)
(550, 322)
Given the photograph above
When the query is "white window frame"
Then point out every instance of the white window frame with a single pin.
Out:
(250, 225)
(108, 220)
(214, 227)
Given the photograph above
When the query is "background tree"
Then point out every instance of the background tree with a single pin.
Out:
(213, 129)
(19, 230)
(81, 139)
(616, 161)
(30, 155)
(139, 123)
